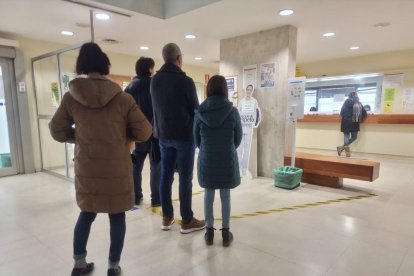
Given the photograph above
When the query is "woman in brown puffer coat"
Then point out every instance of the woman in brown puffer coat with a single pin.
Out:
(101, 120)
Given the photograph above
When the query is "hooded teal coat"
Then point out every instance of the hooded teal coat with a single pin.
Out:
(217, 132)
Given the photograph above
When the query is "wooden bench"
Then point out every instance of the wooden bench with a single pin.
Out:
(330, 170)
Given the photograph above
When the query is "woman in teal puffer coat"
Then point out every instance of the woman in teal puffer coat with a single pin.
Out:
(218, 133)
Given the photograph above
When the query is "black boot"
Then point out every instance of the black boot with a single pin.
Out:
(227, 236)
(114, 271)
(77, 271)
(209, 235)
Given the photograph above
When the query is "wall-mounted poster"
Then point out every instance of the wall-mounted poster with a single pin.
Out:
(296, 95)
(232, 87)
(54, 88)
(267, 75)
(250, 75)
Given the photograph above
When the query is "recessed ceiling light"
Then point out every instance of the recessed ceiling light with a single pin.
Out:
(354, 48)
(102, 16)
(286, 12)
(190, 36)
(382, 24)
(67, 33)
(198, 58)
(144, 48)
(328, 34)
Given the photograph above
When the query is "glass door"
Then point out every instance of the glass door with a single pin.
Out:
(8, 147)
(52, 73)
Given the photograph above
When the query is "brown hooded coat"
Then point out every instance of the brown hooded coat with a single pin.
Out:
(105, 119)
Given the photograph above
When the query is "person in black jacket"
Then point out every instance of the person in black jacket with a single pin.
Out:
(352, 113)
(139, 88)
(174, 99)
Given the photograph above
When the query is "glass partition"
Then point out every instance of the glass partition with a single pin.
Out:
(327, 94)
(52, 74)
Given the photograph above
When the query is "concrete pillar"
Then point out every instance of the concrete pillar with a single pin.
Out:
(271, 46)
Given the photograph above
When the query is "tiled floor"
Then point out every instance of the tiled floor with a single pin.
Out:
(370, 236)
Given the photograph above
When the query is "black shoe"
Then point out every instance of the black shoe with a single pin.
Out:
(82, 271)
(227, 236)
(209, 235)
(114, 271)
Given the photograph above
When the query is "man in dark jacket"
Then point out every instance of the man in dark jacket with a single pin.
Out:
(139, 88)
(174, 99)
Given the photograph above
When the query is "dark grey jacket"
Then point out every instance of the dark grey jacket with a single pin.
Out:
(218, 132)
(174, 99)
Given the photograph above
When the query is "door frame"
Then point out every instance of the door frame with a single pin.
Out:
(13, 123)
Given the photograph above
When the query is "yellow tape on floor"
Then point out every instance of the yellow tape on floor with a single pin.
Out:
(157, 210)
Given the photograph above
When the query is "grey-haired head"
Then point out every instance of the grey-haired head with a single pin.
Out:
(171, 53)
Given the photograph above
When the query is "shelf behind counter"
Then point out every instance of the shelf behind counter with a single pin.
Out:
(405, 119)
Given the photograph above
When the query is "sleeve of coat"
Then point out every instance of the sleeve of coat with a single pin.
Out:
(61, 124)
(138, 127)
(192, 96)
(238, 131)
(196, 132)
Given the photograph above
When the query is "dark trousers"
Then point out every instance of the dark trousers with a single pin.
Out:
(177, 154)
(155, 172)
(83, 228)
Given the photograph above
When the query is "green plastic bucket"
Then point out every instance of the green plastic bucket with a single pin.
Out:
(287, 177)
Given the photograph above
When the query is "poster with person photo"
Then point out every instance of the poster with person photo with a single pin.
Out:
(267, 75)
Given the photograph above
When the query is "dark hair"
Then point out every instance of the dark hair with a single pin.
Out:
(367, 107)
(217, 86)
(143, 66)
(91, 59)
(250, 85)
(313, 109)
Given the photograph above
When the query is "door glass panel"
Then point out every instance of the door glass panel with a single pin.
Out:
(5, 152)
(48, 98)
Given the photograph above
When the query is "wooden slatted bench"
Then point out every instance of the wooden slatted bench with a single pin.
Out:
(330, 170)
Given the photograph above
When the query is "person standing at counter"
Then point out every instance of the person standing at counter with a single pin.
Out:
(352, 113)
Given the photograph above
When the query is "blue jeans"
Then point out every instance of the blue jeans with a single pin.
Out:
(155, 169)
(225, 207)
(83, 228)
(347, 139)
(180, 154)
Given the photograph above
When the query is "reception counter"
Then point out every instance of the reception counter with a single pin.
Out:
(380, 134)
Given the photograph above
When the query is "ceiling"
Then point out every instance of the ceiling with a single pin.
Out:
(352, 20)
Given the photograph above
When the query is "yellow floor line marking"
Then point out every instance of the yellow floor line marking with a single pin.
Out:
(157, 210)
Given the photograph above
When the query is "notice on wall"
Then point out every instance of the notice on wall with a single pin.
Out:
(232, 88)
(388, 107)
(296, 97)
(408, 95)
(393, 80)
(55, 94)
(250, 76)
(389, 94)
(267, 75)
(408, 99)
(65, 78)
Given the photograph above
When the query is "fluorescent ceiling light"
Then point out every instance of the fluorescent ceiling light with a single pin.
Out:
(328, 34)
(69, 33)
(354, 48)
(190, 36)
(144, 48)
(102, 16)
(286, 12)
(198, 58)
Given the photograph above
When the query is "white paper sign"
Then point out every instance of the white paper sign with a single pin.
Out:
(250, 76)
(296, 96)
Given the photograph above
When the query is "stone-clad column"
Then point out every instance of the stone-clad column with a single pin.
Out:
(270, 46)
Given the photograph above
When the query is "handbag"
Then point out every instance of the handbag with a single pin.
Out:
(155, 153)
